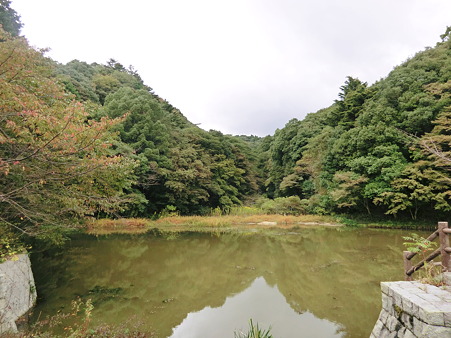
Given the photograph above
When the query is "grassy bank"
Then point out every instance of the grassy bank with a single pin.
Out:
(384, 223)
(207, 223)
(246, 222)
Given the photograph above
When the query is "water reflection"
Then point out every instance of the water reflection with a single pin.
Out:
(330, 275)
(266, 306)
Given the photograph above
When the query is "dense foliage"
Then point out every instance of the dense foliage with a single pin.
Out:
(55, 161)
(90, 139)
(9, 19)
(81, 139)
(378, 149)
(182, 168)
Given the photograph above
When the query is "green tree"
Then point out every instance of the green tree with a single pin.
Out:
(287, 148)
(145, 130)
(437, 143)
(419, 186)
(9, 19)
(56, 164)
(352, 96)
(349, 192)
(77, 78)
(104, 85)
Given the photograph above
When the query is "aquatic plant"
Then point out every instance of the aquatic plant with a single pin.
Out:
(254, 332)
(76, 323)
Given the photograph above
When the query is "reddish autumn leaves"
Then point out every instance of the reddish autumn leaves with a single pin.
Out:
(56, 163)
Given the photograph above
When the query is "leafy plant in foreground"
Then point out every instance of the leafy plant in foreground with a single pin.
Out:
(254, 332)
(10, 246)
(423, 247)
(76, 323)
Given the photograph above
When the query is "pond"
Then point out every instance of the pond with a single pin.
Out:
(309, 282)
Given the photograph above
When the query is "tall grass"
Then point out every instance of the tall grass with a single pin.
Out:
(246, 211)
(228, 220)
(204, 223)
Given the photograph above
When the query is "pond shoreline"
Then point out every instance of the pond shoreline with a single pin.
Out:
(227, 223)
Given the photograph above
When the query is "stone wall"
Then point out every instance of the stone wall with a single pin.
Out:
(413, 309)
(17, 291)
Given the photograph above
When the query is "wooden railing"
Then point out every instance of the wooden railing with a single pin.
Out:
(444, 250)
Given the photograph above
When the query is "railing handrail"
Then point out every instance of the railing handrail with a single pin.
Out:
(444, 250)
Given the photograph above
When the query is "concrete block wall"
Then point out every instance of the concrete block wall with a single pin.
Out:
(413, 309)
(17, 291)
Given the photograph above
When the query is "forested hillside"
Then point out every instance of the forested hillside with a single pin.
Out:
(51, 112)
(81, 139)
(181, 167)
(89, 139)
(380, 149)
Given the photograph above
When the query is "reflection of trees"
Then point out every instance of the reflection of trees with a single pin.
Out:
(338, 278)
(333, 274)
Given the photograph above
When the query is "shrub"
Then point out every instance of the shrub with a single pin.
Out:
(291, 205)
(10, 245)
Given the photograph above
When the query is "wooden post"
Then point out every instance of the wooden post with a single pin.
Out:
(444, 244)
(407, 265)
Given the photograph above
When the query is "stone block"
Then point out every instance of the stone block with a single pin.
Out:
(423, 304)
(391, 323)
(447, 319)
(387, 303)
(391, 288)
(385, 333)
(408, 334)
(417, 327)
(412, 309)
(447, 278)
(429, 297)
(400, 333)
(383, 316)
(437, 291)
(444, 306)
(397, 298)
(377, 329)
(406, 293)
(8, 326)
(407, 306)
(407, 320)
(17, 291)
(394, 287)
(412, 285)
(432, 317)
(384, 287)
(435, 331)
(417, 302)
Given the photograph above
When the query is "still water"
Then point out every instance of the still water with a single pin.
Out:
(312, 282)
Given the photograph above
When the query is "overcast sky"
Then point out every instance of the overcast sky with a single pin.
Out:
(240, 66)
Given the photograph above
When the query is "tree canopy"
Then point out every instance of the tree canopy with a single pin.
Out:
(56, 163)
(81, 139)
(9, 19)
(378, 149)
